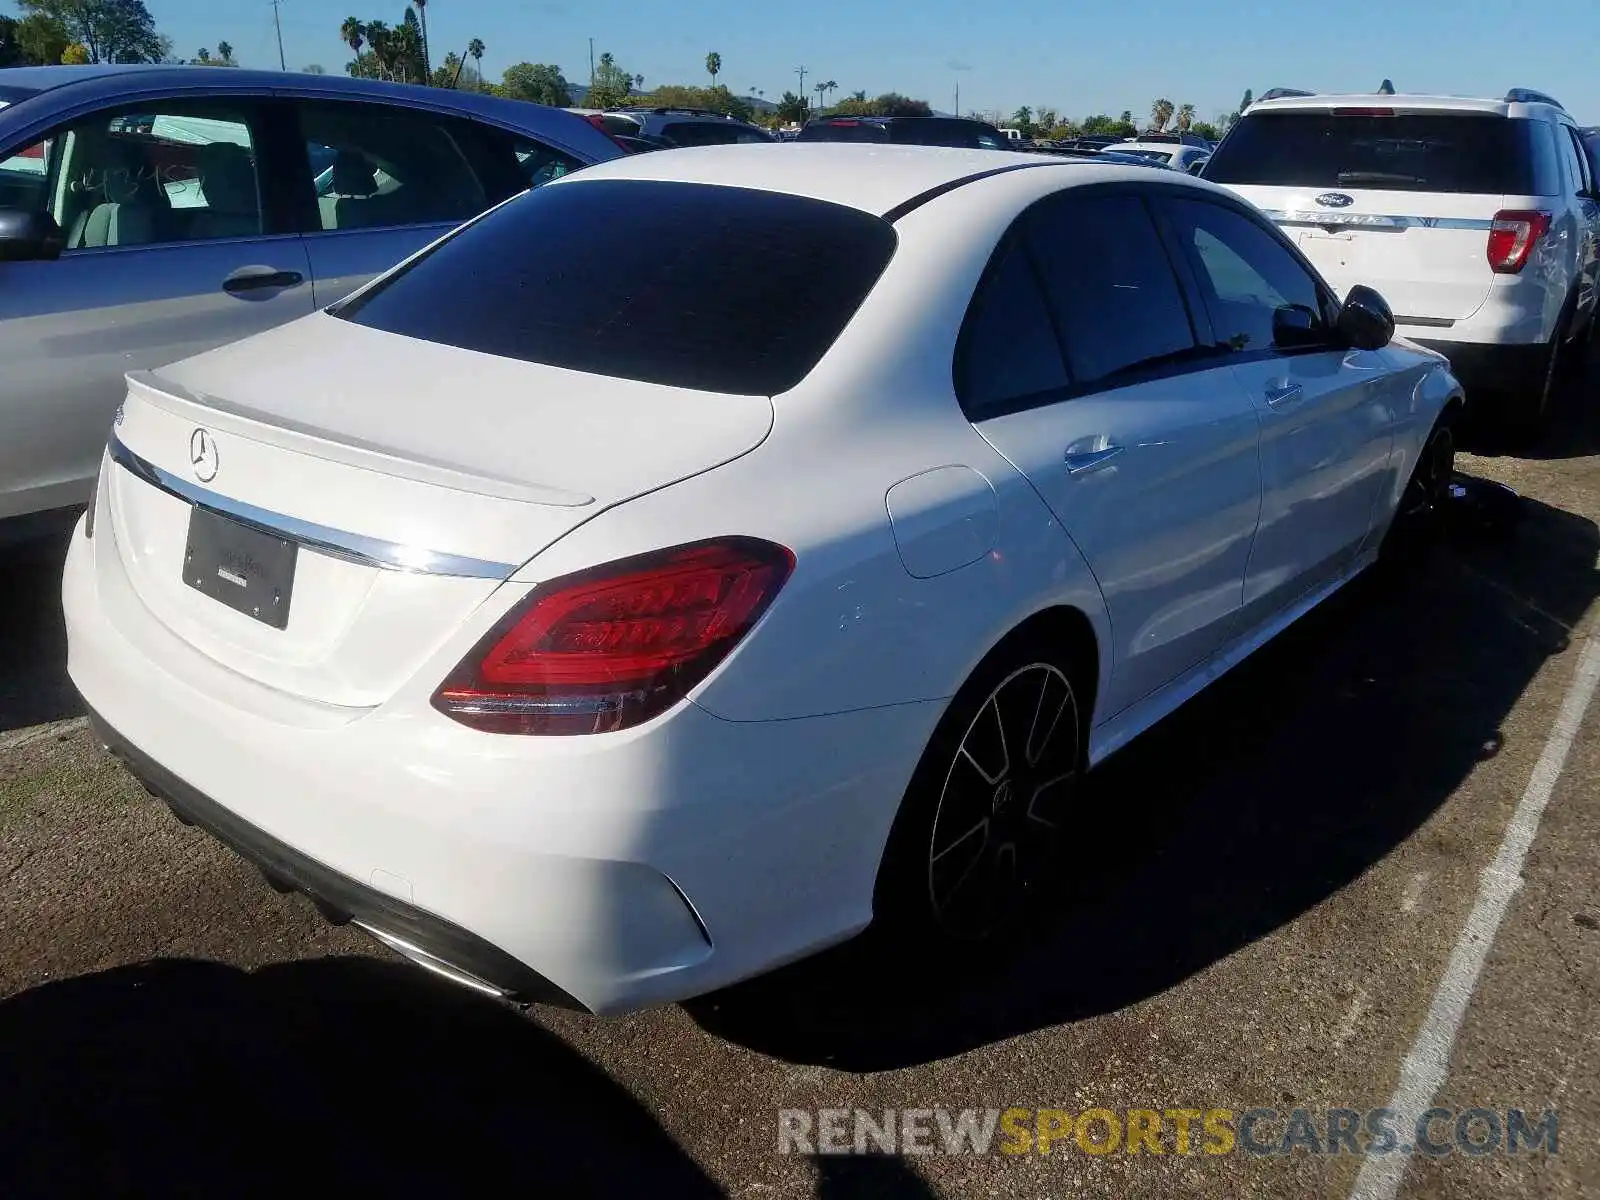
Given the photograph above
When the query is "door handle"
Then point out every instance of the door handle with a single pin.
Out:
(250, 279)
(1084, 461)
(1277, 397)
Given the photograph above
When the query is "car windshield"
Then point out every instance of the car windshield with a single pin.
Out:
(720, 289)
(1467, 153)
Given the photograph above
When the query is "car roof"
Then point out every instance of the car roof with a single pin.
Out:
(874, 178)
(104, 80)
(1401, 102)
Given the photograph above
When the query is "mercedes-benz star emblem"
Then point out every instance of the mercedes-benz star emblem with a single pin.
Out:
(203, 455)
(1335, 200)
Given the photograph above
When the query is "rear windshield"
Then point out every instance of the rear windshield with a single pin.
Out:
(711, 133)
(845, 131)
(691, 285)
(1409, 152)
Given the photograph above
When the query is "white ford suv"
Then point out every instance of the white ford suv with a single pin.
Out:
(1478, 220)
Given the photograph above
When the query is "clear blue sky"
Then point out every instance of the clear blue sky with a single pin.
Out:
(1078, 58)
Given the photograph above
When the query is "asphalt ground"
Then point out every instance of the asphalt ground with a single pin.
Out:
(1285, 876)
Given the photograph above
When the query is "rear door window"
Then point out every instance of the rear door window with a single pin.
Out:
(1465, 153)
(1107, 276)
(721, 289)
(1008, 357)
(389, 166)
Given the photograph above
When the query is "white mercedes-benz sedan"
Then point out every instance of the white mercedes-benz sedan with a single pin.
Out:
(685, 564)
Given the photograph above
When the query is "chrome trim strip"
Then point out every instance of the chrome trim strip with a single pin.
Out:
(339, 543)
(1374, 220)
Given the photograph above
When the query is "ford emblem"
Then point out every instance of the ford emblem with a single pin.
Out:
(1335, 200)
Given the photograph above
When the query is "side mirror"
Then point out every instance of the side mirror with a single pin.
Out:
(1294, 325)
(1365, 321)
(28, 236)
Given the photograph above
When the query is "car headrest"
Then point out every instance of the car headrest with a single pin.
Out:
(228, 178)
(354, 174)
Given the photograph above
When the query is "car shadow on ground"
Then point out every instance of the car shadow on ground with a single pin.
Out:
(33, 642)
(349, 1075)
(1572, 429)
(1270, 792)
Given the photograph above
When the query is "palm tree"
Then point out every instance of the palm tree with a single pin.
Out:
(831, 86)
(204, 56)
(713, 66)
(354, 34)
(380, 40)
(638, 82)
(427, 63)
(225, 51)
(1160, 114)
(475, 53)
(1185, 117)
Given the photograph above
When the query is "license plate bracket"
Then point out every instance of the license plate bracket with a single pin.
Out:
(248, 569)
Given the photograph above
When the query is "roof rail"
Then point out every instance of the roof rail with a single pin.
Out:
(1529, 96)
(1276, 93)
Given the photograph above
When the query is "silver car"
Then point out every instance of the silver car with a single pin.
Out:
(150, 213)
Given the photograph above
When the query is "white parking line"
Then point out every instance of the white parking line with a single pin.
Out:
(19, 738)
(1428, 1061)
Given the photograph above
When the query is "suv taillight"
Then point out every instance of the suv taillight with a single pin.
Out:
(1512, 237)
(614, 646)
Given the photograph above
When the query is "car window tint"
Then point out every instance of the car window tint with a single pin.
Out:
(1245, 273)
(1007, 350)
(174, 172)
(844, 130)
(1106, 274)
(388, 166)
(710, 133)
(1462, 153)
(1572, 158)
(1581, 153)
(539, 164)
(723, 289)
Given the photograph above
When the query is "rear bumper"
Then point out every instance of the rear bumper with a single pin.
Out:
(1483, 367)
(611, 872)
(425, 939)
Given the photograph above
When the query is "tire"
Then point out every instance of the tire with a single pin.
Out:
(1421, 516)
(1524, 417)
(978, 838)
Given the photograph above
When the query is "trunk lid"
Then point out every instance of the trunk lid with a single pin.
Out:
(412, 478)
(1427, 255)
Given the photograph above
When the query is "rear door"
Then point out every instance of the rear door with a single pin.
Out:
(1399, 200)
(1140, 441)
(175, 244)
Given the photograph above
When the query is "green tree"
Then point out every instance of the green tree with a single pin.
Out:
(1160, 114)
(611, 84)
(1022, 119)
(475, 50)
(715, 99)
(353, 34)
(1185, 117)
(41, 40)
(713, 66)
(113, 31)
(409, 65)
(1249, 99)
(1206, 130)
(313, 69)
(75, 55)
(540, 83)
(422, 13)
(793, 109)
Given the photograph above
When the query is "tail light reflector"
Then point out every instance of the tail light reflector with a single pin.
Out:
(612, 647)
(1512, 237)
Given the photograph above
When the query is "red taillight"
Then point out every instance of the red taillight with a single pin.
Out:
(1363, 112)
(845, 124)
(612, 647)
(599, 123)
(1512, 237)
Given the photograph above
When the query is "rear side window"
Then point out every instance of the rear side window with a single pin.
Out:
(1461, 153)
(1107, 276)
(844, 131)
(721, 289)
(1008, 351)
